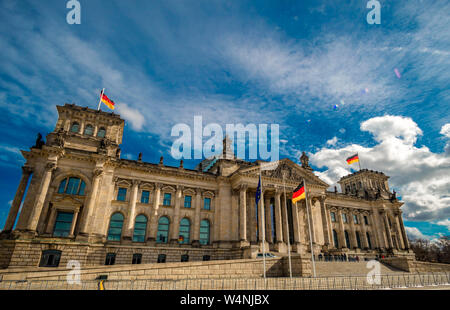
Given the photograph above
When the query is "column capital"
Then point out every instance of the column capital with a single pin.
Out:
(180, 188)
(50, 166)
(98, 172)
(157, 185)
(136, 182)
(27, 169)
(243, 187)
(199, 191)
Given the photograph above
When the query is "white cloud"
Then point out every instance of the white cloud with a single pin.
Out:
(413, 233)
(132, 115)
(445, 130)
(445, 223)
(333, 141)
(420, 177)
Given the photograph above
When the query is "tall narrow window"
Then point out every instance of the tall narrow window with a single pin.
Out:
(358, 240)
(333, 216)
(204, 232)
(366, 220)
(163, 230)
(167, 199)
(122, 194)
(185, 229)
(140, 227)
(207, 204)
(75, 127)
(187, 201)
(62, 224)
(347, 239)
(355, 219)
(89, 130)
(335, 238)
(344, 217)
(115, 227)
(145, 197)
(369, 243)
(101, 132)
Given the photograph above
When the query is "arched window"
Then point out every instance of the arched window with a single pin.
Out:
(89, 130)
(72, 186)
(140, 227)
(101, 132)
(369, 243)
(115, 227)
(185, 231)
(347, 239)
(358, 240)
(204, 232)
(75, 127)
(163, 230)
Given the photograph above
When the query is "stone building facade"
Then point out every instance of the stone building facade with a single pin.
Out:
(79, 200)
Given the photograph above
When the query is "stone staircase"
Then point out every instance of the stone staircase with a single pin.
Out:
(325, 269)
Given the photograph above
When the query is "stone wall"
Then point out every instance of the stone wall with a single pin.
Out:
(243, 268)
(409, 264)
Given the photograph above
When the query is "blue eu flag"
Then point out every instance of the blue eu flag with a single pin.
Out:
(258, 192)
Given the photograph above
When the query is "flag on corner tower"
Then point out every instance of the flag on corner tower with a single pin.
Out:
(299, 193)
(109, 103)
(353, 159)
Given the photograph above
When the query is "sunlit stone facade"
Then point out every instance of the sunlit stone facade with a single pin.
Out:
(81, 201)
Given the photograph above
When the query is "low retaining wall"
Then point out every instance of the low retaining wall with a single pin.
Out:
(243, 268)
(409, 264)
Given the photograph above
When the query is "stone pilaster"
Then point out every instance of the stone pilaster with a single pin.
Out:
(198, 206)
(15, 206)
(88, 210)
(155, 213)
(353, 241)
(325, 224)
(40, 197)
(128, 235)
(176, 217)
(388, 229)
(342, 243)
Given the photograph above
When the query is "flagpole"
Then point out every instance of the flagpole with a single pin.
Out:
(261, 198)
(100, 101)
(309, 227)
(287, 226)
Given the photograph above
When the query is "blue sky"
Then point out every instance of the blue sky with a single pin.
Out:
(274, 62)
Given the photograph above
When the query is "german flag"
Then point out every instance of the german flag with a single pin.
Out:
(107, 101)
(299, 193)
(353, 159)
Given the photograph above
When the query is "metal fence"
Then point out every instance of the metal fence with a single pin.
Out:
(401, 280)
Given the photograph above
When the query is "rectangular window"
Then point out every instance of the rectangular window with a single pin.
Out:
(187, 201)
(161, 258)
(137, 259)
(206, 257)
(333, 216)
(344, 217)
(122, 194)
(207, 204)
(167, 199)
(185, 258)
(366, 220)
(110, 259)
(355, 219)
(50, 258)
(63, 224)
(145, 198)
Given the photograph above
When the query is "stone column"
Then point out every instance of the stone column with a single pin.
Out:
(253, 222)
(261, 217)
(353, 241)
(278, 217)
(268, 220)
(342, 243)
(285, 219)
(42, 194)
(325, 224)
(403, 231)
(15, 206)
(51, 221)
(399, 232)
(74, 223)
(388, 229)
(132, 210)
(296, 222)
(176, 217)
(243, 213)
(364, 241)
(155, 213)
(87, 212)
(198, 206)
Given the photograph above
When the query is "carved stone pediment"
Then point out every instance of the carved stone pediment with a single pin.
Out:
(68, 200)
(290, 170)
